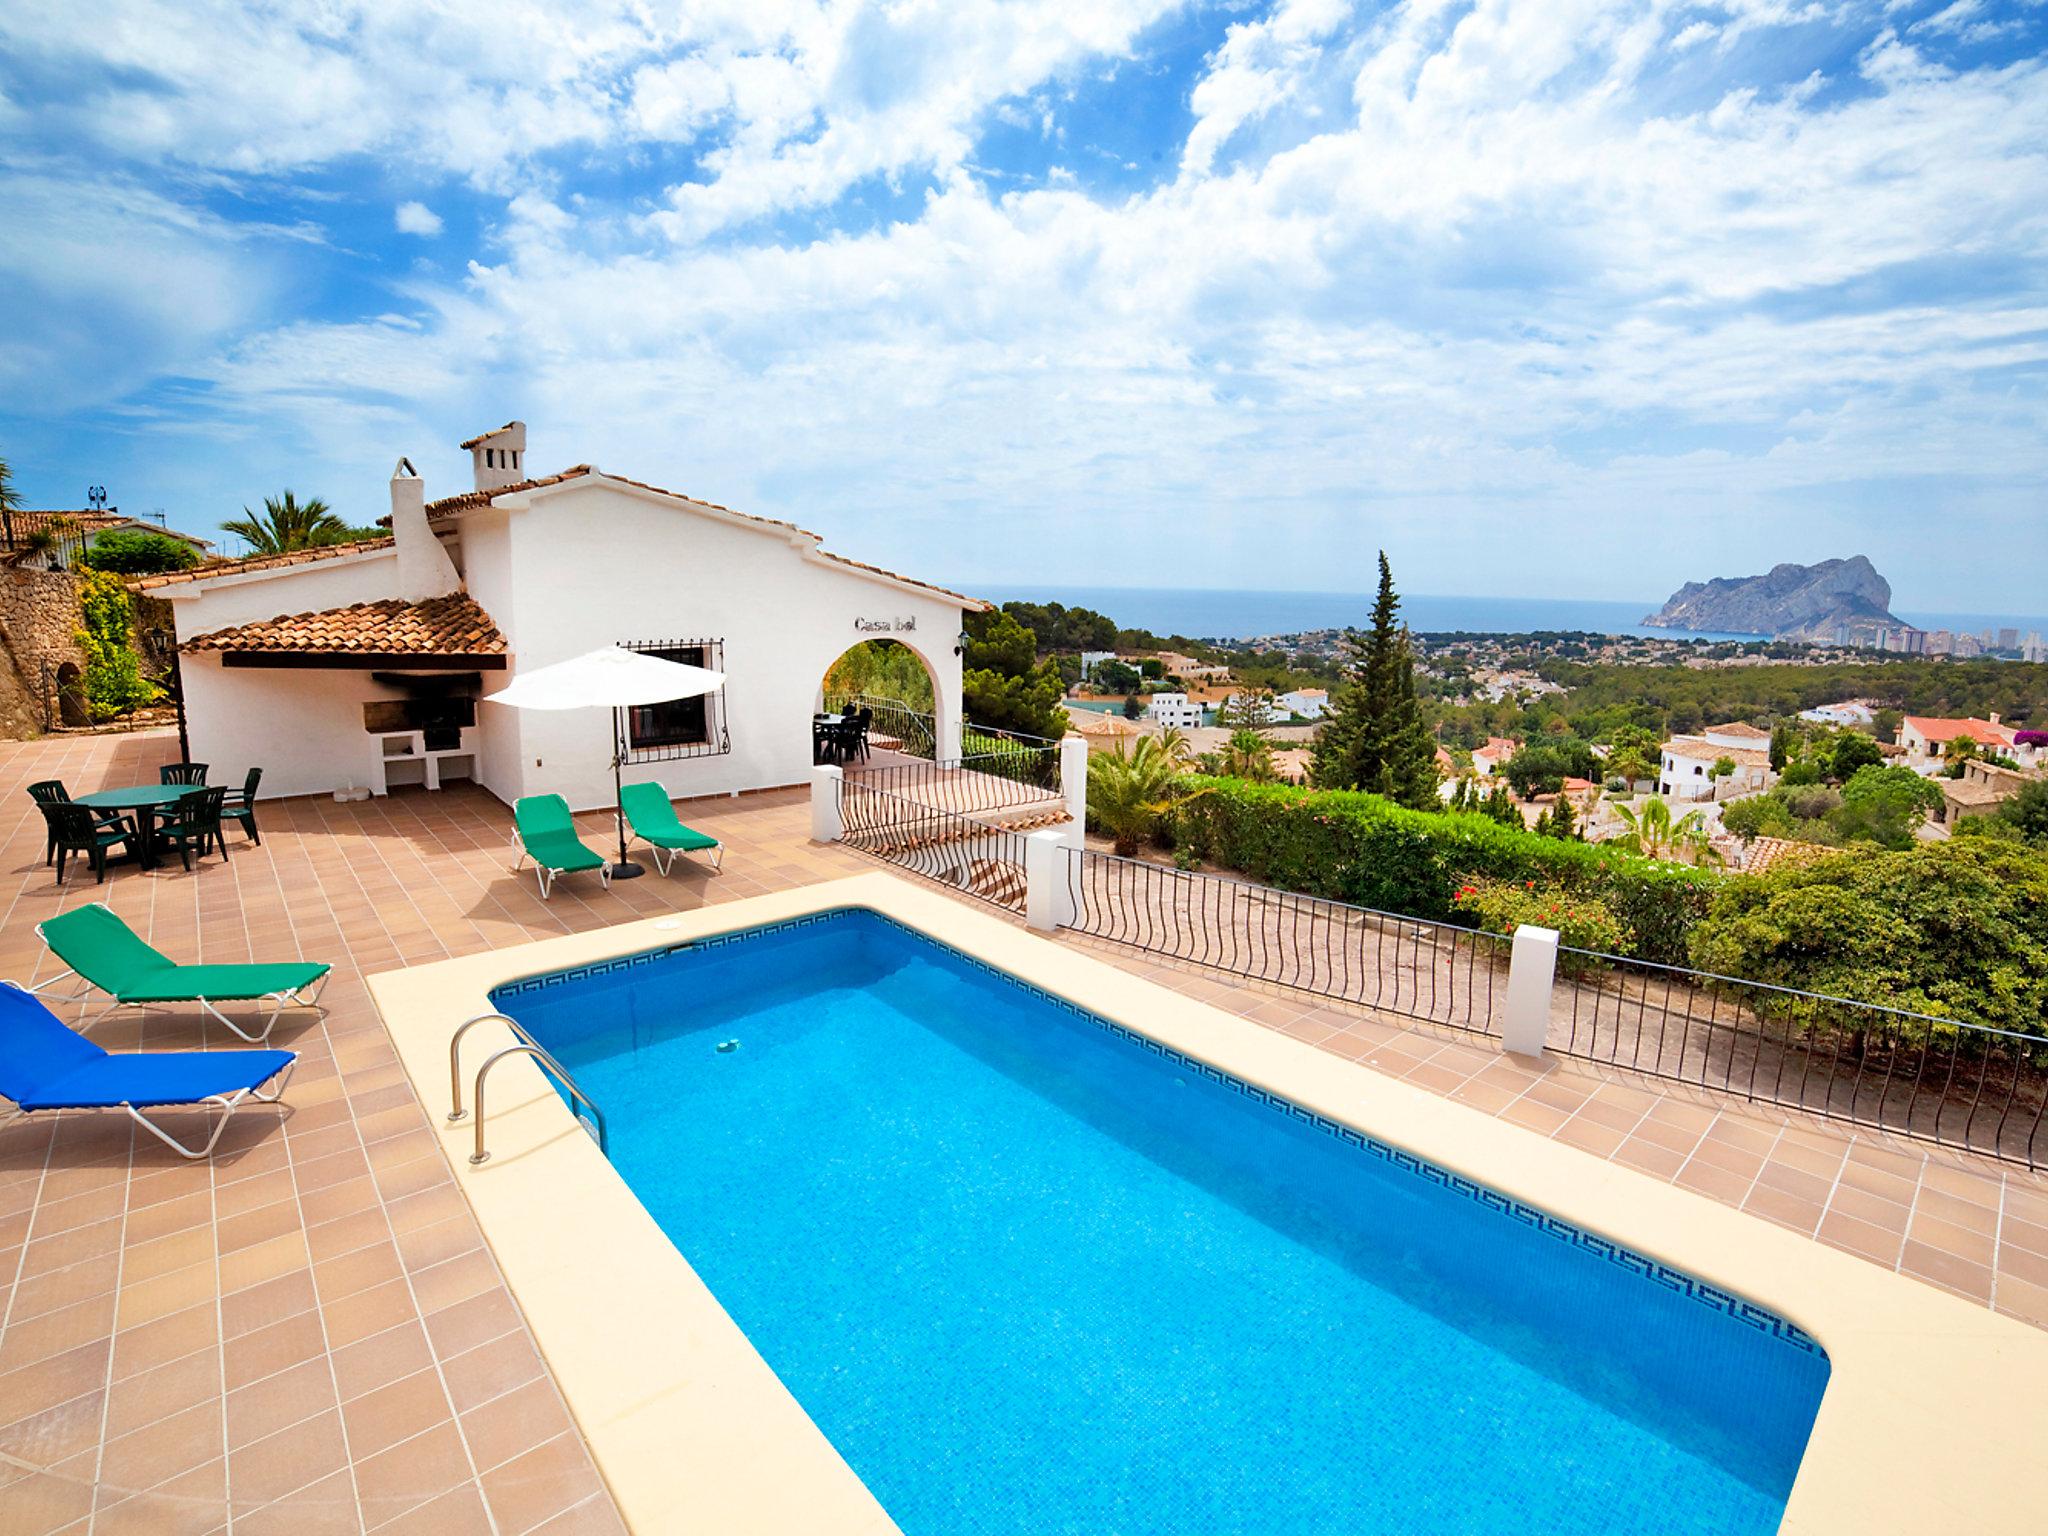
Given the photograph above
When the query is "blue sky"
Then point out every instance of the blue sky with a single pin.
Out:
(1548, 297)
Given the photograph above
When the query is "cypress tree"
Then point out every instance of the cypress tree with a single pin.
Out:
(1375, 738)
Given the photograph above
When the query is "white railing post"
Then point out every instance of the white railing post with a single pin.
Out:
(1532, 968)
(825, 784)
(1074, 777)
(1048, 897)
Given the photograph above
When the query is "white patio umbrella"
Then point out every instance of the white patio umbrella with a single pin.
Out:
(615, 678)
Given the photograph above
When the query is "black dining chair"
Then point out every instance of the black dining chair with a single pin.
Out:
(80, 829)
(240, 805)
(182, 773)
(193, 824)
(50, 792)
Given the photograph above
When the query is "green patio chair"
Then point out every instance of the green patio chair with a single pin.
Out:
(545, 832)
(108, 956)
(651, 817)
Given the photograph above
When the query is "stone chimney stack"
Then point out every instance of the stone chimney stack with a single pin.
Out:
(424, 569)
(500, 456)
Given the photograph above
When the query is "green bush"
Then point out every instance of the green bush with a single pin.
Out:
(1581, 921)
(129, 553)
(1957, 929)
(1365, 850)
(114, 683)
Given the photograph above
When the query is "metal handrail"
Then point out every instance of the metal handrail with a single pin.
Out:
(528, 1048)
(526, 1045)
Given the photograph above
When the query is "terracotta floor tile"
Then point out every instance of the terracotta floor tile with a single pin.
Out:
(276, 1402)
(413, 1473)
(325, 1507)
(478, 1375)
(278, 1347)
(176, 1443)
(458, 1512)
(142, 1399)
(381, 1359)
(531, 1489)
(510, 1424)
(289, 1459)
(410, 1406)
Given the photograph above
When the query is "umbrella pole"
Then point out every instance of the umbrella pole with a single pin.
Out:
(624, 869)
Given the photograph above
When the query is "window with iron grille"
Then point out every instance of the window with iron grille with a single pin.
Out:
(679, 728)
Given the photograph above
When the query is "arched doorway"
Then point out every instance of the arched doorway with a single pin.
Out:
(878, 698)
(71, 705)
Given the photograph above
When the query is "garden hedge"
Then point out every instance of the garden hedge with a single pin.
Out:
(1368, 851)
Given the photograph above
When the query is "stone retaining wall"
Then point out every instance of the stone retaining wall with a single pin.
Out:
(38, 624)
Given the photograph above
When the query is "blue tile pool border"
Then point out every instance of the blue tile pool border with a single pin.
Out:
(1641, 1265)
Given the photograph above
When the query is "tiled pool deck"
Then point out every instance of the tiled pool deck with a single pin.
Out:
(307, 1334)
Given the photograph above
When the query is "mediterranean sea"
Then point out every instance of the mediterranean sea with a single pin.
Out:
(1216, 614)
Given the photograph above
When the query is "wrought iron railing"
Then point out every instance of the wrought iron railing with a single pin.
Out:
(680, 728)
(977, 858)
(1411, 966)
(1932, 1079)
(1009, 777)
(894, 725)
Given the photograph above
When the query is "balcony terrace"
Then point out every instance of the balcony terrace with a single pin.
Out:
(309, 1334)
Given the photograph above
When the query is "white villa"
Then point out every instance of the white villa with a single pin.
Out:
(1849, 712)
(1926, 739)
(372, 664)
(1090, 660)
(1309, 703)
(1172, 711)
(1688, 763)
(1487, 759)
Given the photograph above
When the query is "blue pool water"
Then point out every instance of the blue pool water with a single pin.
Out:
(1030, 1276)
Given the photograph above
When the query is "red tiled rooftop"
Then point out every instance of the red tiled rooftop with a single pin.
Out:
(455, 625)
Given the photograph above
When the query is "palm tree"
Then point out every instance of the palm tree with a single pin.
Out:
(1129, 791)
(1653, 831)
(287, 524)
(1173, 741)
(1247, 755)
(10, 499)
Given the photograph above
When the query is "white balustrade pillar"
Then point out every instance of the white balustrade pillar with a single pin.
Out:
(1074, 778)
(1532, 968)
(825, 782)
(1048, 888)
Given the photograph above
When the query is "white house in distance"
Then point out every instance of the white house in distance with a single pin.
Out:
(1173, 711)
(1309, 703)
(1926, 739)
(1850, 712)
(1688, 763)
(1090, 660)
(1487, 759)
(372, 664)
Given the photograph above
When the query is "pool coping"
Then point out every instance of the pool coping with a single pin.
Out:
(1931, 1408)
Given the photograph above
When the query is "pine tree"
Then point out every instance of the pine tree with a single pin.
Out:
(1375, 738)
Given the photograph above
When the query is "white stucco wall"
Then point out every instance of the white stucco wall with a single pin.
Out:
(201, 607)
(591, 564)
(563, 572)
(303, 728)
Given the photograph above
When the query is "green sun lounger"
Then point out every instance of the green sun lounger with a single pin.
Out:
(545, 832)
(651, 817)
(109, 956)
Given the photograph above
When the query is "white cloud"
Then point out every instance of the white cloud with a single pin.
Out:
(417, 219)
(1488, 282)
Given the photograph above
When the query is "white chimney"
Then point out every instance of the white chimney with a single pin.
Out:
(500, 456)
(424, 569)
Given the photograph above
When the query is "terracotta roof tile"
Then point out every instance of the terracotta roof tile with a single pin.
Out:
(1768, 852)
(259, 563)
(1983, 732)
(91, 520)
(484, 437)
(469, 501)
(441, 626)
(1699, 749)
(1741, 729)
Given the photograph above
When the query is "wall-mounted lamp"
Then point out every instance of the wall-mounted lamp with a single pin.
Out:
(960, 642)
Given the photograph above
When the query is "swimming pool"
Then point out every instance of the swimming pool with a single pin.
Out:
(1031, 1273)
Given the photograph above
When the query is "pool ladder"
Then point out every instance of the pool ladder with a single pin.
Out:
(525, 1046)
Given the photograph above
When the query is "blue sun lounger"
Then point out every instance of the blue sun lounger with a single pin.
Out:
(44, 1065)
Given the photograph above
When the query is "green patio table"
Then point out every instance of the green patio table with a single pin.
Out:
(146, 798)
